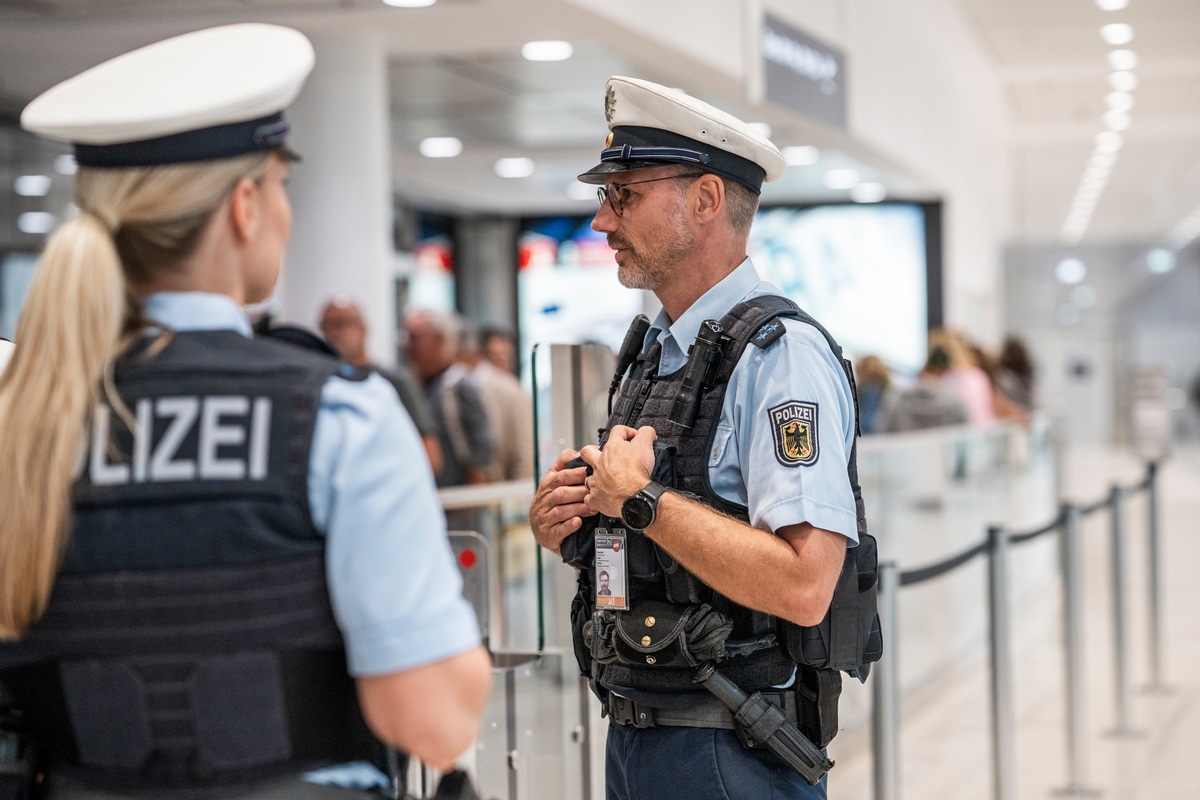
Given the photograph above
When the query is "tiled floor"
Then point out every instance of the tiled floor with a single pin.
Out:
(944, 744)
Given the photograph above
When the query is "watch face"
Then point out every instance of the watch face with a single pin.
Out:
(638, 512)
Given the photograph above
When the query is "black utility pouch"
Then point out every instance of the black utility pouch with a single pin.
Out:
(598, 634)
(665, 635)
(849, 636)
(817, 693)
(581, 622)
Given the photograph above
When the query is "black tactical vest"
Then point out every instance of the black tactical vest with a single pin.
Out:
(761, 651)
(189, 641)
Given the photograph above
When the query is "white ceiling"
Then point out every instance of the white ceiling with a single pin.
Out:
(456, 69)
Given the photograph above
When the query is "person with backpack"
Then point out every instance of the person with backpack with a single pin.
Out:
(723, 492)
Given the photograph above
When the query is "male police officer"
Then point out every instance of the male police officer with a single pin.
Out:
(722, 488)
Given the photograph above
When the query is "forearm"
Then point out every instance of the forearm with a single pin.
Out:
(786, 577)
(432, 712)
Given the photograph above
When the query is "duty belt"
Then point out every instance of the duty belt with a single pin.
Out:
(706, 712)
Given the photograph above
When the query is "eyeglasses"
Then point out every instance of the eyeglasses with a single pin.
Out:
(614, 193)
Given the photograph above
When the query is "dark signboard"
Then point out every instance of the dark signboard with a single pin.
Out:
(803, 74)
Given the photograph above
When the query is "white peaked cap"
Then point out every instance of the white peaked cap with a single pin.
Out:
(211, 93)
(652, 124)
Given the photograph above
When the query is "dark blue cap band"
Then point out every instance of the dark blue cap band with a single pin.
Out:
(206, 144)
(635, 147)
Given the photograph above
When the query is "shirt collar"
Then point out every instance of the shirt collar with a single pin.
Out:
(197, 311)
(677, 336)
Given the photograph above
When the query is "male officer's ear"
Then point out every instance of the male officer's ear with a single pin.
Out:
(709, 198)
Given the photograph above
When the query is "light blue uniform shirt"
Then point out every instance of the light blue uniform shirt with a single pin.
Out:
(395, 589)
(798, 367)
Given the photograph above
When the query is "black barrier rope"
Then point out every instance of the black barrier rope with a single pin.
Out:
(922, 574)
(1052, 525)
(1099, 505)
(942, 567)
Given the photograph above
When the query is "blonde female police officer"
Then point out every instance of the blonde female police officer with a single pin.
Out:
(203, 535)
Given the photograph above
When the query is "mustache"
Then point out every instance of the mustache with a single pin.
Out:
(615, 241)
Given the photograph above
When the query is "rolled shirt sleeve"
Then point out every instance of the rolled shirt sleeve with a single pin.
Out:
(395, 588)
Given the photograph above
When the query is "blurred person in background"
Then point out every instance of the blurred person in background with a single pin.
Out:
(509, 409)
(965, 375)
(875, 392)
(1002, 406)
(343, 325)
(500, 347)
(931, 402)
(282, 573)
(459, 415)
(1016, 374)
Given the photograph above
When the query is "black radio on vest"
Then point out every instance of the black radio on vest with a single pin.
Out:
(704, 359)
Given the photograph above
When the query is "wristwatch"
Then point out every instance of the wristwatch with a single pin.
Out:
(639, 509)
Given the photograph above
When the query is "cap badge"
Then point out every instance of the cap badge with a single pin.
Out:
(610, 105)
(608, 139)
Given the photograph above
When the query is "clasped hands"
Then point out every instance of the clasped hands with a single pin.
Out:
(566, 494)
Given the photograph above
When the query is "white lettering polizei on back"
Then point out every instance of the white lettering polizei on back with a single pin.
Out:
(234, 422)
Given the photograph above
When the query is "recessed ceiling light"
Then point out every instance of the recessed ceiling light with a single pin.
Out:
(1122, 60)
(65, 164)
(1119, 101)
(514, 167)
(547, 50)
(1160, 261)
(440, 147)
(841, 178)
(32, 185)
(1070, 271)
(409, 3)
(1108, 142)
(1111, 5)
(1116, 33)
(1122, 81)
(868, 192)
(801, 155)
(1116, 120)
(36, 222)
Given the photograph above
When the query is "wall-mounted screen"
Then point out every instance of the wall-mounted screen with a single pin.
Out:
(865, 271)
(862, 270)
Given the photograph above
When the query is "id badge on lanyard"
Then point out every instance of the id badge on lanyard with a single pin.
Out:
(611, 587)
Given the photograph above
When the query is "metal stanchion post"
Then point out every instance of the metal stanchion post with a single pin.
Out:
(1072, 560)
(1120, 614)
(1156, 680)
(1002, 712)
(885, 696)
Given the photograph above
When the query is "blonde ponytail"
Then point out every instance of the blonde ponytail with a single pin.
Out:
(67, 335)
(136, 225)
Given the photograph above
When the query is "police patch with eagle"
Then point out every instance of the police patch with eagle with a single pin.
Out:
(794, 427)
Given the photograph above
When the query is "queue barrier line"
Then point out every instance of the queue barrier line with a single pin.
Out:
(885, 717)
